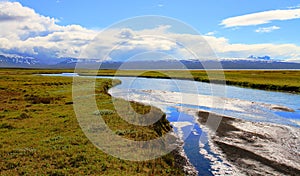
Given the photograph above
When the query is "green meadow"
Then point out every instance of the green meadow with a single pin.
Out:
(40, 134)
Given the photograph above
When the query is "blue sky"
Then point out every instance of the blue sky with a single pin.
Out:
(276, 27)
(205, 16)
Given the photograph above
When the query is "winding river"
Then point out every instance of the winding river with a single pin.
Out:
(173, 96)
(250, 103)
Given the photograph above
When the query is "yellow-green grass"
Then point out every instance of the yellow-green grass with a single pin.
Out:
(40, 134)
(281, 80)
(275, 80)
(27, 71)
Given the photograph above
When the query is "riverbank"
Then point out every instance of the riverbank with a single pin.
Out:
(274, 80)
(255, 148)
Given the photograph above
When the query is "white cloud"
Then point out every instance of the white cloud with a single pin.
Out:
(295, 60)
(120, 42)
(210, 33)
(267, 29)
(261, 17)
(27, 32)
(277, 51)
(31, 34)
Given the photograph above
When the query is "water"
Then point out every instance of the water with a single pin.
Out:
(251, 112)
(186, 86)
(191, 136)
(242, 98)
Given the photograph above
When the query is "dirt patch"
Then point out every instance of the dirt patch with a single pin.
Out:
(256, 148)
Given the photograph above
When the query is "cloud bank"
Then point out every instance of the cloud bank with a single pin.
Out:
(27, 33)
(261, 18)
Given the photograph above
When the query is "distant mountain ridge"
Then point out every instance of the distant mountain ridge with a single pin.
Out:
(251, 62)
(13, 61)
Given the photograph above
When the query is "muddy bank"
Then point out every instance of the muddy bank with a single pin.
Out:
(255, 148)
(182, 162)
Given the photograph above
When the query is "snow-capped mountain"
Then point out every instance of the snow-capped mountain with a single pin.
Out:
(251, 62)
(266, 58)
(17, 61)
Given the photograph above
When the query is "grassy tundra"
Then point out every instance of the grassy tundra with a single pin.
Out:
(40, 134)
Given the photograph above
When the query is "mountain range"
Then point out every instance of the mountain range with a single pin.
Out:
(251, 62)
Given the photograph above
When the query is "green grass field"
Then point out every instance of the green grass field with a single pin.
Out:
(40, 134)
(287, 81)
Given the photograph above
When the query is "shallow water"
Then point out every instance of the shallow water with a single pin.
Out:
(130, 85)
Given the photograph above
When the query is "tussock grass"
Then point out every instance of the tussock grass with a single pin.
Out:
(40, 134)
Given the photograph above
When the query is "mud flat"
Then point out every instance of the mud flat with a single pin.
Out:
(254, 148)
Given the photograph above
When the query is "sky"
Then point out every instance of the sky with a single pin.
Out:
(232, 28)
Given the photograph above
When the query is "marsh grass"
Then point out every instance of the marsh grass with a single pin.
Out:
(40, 134)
